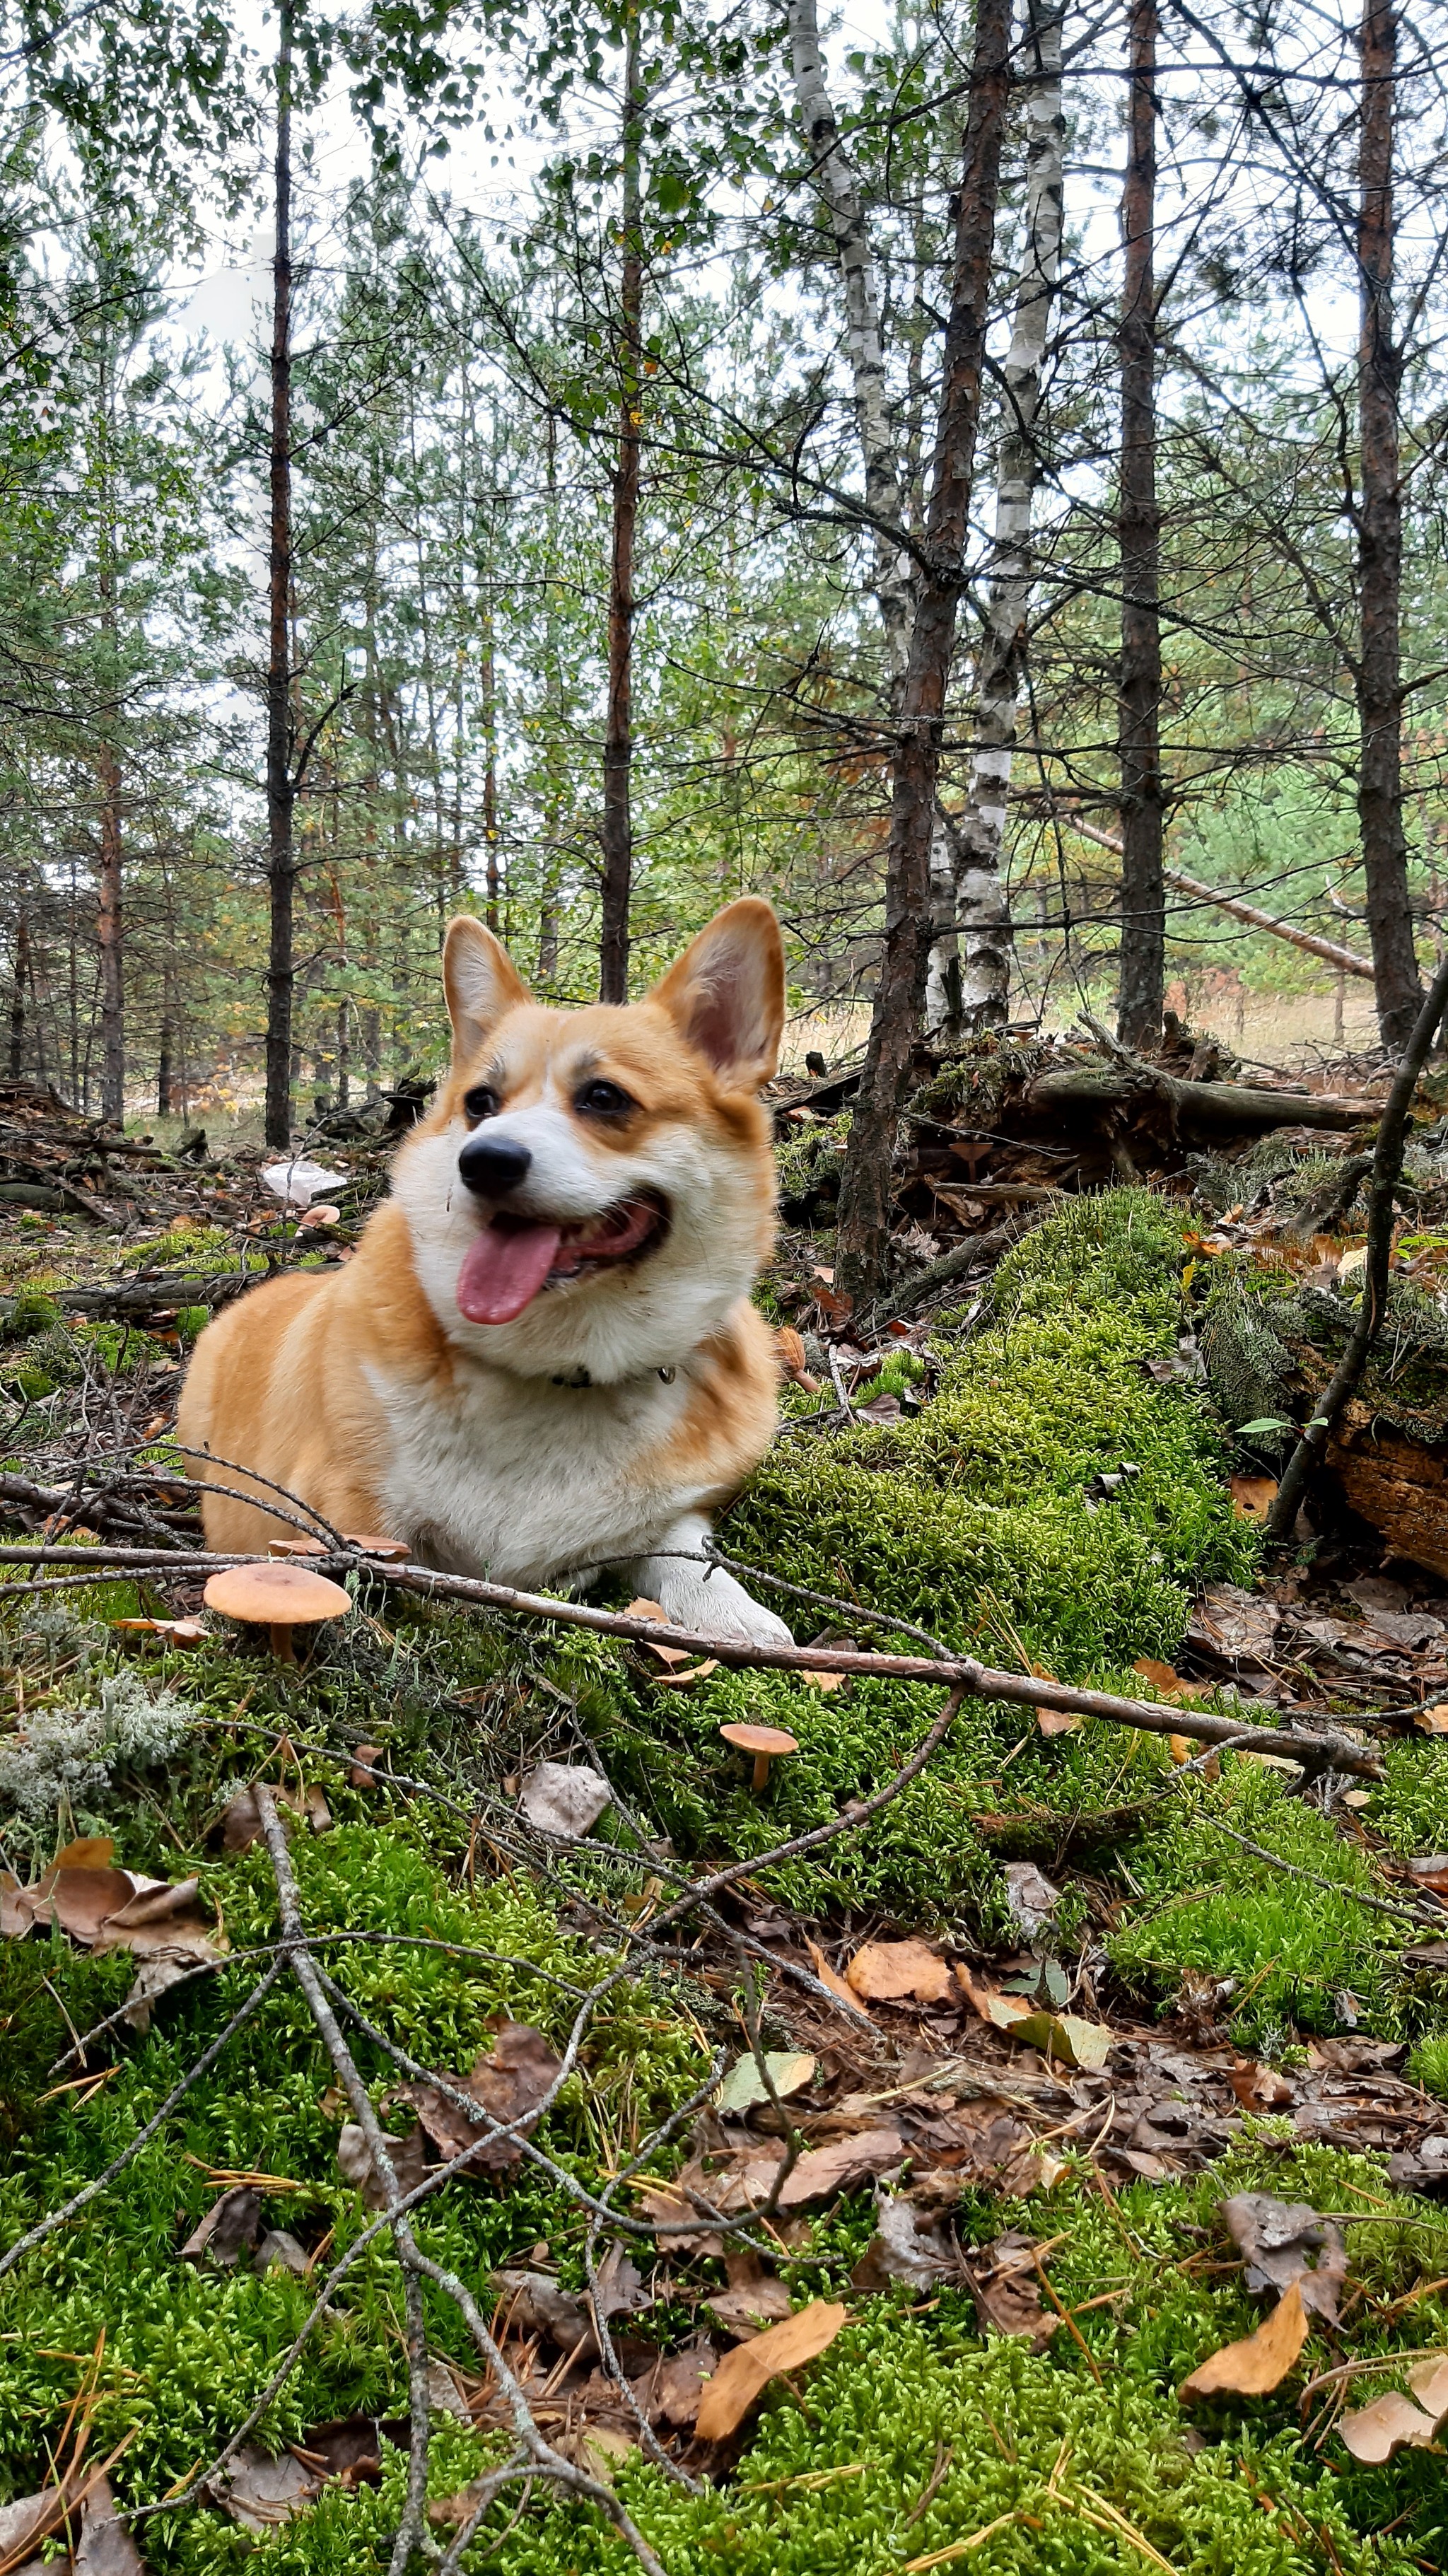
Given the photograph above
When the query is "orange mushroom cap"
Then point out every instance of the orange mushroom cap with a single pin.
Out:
(276, 1595)
(760, 1739)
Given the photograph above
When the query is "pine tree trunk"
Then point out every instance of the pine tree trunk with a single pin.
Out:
(618, 739)
(17, 998)
(976, 995)
(490, 781)
(864, 1221)
(108, 938)
(1143, 897)
(280, 791)
(1380, 546)
(163, 1069)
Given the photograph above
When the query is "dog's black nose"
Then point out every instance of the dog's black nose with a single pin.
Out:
(492, 1166)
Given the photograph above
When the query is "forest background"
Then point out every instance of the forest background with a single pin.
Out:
(491, 454)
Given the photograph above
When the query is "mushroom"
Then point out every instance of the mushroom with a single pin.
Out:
(276, 1597)
(766, 1743)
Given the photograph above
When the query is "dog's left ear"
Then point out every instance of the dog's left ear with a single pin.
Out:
(726, 994)
(481, 983)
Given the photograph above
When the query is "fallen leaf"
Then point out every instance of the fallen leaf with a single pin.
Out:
(750, 2304)
(620, 2288)
(261, 2494)
(744, 2374)
(646, 1609)
(789, 2072)
(564, 1799)
(106, 2547)
(350, 2449)
(1006, 2286)
(896, 1971)
(230, 2228)
(823, 2174)
(1432, 1871)
(406, 2156)
(1428, 2381)
(1066, 2037)
(1183, 1750)
(831, 1977)
(507, 2082)
(1252, 1496)
(1376, 2431)
(362, 1770)
(1434, 1720)
(902, 2249)
(279, 2251)
(1057, 1721)
(241, 1825)
(1279, 2240)
(1260, 2362)
(671, 2391)
(681, 1680)
(1260, 2088)
(1001, 2011)
(533, 2304)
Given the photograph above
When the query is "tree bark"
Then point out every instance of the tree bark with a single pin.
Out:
(17, 998)
(618, 739)
(490, 779)
(109, 921)
(1143, 800)
(280, 789)
(864, 1222)
(1380, 545)
(836, 182)
(163, 1070)
(972, 991)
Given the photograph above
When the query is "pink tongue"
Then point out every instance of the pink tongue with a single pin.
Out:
(504, 1270)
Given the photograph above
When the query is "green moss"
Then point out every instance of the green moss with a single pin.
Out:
(1428, 2065)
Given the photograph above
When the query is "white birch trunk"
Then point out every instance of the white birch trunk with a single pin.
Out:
(836, 182)
(970, 959)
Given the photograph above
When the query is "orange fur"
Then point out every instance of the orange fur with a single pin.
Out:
(367, 1394)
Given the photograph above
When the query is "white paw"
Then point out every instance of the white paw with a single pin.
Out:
(722, 1608)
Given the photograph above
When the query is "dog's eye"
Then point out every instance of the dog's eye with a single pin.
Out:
(480, 1102)
(603, 1100)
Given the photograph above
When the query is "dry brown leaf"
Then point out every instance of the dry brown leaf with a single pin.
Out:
(1434, 1720)
(827, 1975)
(744, 2374)
(406, 2156)
(1252, 1496)
(230, 2228)
(1005, 2283)
(1260, 2362)
(1285, 2242)
(1260, 2088)
(904, 2248)
(1431, 1871)
(241, 1825)
(106, 2547)
(900, 1971)
(260, 2493)
(1057, 1721)
(669, 2393)
(1183, 1750)
(753, 2303)
(1001, 2011)
(362, 1770)
(646, 1609)
(681, 1681)
(507, 2082)
(824, 2174)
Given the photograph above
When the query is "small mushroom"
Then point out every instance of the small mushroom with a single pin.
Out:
(766, 1743)
(276, 1597)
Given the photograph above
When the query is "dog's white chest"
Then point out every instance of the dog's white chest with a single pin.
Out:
(522, 1480)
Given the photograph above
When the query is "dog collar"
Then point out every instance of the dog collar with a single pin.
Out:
(580, 1377)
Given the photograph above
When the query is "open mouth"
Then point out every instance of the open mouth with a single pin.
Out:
(516, 1256)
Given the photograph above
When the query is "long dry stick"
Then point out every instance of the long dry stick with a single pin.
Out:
(1317, 1749)
(417, 2266)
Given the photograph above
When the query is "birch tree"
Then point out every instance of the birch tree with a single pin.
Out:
(970, 991)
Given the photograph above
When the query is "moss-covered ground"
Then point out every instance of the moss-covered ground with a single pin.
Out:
(916, 2441)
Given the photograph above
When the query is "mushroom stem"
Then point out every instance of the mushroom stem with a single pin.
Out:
(761, 1771)
(281, 1643)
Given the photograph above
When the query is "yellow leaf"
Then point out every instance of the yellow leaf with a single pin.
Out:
(1260, 2361)
(744, 2374)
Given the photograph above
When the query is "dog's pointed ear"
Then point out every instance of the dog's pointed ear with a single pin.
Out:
(726, 994)
(481, 983)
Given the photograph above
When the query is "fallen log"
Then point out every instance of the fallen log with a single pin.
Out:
(121, 1299)
(1317, 1750)
(1212, 1108)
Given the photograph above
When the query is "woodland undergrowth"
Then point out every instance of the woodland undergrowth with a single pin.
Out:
(917, 2440)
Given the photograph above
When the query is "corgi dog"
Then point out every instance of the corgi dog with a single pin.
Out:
(542, 1360)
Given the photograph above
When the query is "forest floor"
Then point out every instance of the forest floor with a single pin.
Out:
(1091, 2057)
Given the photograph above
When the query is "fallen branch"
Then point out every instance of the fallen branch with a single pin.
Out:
(1215, 1108)
(1346, 960)
(1387, 1172)
(1316, 1751)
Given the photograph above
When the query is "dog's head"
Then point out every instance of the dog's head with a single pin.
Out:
(594, 1188)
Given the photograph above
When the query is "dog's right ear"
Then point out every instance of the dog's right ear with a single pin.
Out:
(481, 983)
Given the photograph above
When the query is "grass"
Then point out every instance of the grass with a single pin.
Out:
(984, 1519)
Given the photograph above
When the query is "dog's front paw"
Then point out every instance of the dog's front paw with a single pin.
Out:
(722, 1608)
